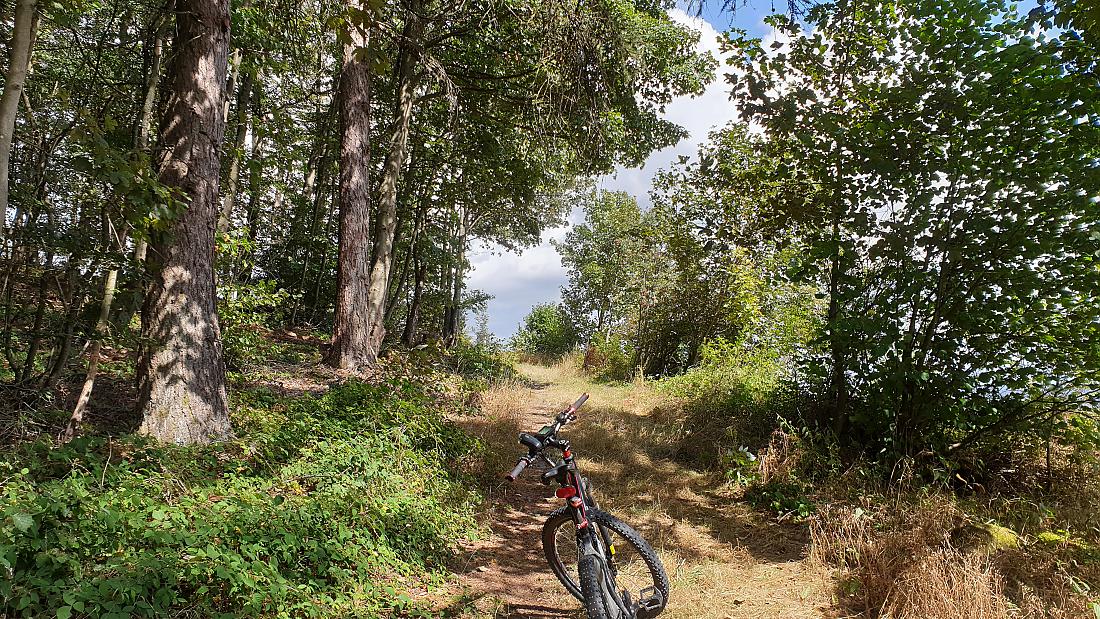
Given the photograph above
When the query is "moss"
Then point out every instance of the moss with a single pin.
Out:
(1000, 538)
(1053, 538)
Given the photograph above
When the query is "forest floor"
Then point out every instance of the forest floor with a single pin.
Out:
(724, 559)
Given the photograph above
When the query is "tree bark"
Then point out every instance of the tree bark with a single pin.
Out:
(142, 130)
(350, 348)
(155, 54)
(397, 288)
(391, 176)
(255, 179)
(837, 350)
(26, 21)
(454, 314)
(181, 369)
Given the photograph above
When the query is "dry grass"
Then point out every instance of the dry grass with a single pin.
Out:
(902, 559)
(778, 460)
(947, 584)
(723, 559)
(497, 426)
(925, 561)
(908, 571)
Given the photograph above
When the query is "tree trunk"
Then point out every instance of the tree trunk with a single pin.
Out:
(839, 376)
(133, 291)
(350, 332)
(26, 21)
(75, 303)
(244, 94)
(408, 336)
(391, 176)
(454, 314)
(396, 289)
(155, 54)
(255, 180)
(181, 370)
(94, 351)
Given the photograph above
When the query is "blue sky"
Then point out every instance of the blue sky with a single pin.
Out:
(519, 281)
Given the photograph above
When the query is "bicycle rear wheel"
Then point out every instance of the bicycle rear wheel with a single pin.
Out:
(629, 563)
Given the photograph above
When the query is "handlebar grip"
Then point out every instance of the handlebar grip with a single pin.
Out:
(580, 402)
(522, 464)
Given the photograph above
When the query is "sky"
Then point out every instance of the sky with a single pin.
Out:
(519, 281)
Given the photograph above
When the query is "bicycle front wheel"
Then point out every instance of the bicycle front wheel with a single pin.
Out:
(630, 564)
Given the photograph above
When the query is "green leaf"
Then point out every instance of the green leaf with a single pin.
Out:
(64, 612)
(23, 522)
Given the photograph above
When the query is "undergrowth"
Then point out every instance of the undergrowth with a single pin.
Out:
(335, 505)
(995, 532)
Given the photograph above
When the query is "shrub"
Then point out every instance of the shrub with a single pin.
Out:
(323, 506)
(731, 402)
(245, 312)
(610, 358)
(546, 333)
(480, 363)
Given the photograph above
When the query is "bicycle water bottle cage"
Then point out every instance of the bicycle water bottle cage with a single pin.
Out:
(531, 442)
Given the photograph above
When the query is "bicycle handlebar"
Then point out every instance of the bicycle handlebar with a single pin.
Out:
(563, 418)
(522, 464)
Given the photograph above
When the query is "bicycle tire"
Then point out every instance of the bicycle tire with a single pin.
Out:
(550, 536)
(594, 588)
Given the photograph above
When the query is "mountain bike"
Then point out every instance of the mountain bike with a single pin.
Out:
(600, 560)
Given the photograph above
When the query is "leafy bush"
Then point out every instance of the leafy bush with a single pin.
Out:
(245, 311)
(732, 399)
(546, 332)
(610, 358)
(785, 498)
(480, 363)
(323, 506)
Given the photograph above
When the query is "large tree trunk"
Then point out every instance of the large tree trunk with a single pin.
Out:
(391, 176)
(350, 331)
(26, 20)
(181, 370)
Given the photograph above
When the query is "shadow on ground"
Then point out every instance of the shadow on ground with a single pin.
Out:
(719, 553)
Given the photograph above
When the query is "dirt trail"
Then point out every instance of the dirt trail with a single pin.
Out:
(724, 560)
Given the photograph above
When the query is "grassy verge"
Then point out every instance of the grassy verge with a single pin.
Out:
(922, 539)
(340, 504)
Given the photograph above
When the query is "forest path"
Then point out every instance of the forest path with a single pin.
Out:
(724, 560)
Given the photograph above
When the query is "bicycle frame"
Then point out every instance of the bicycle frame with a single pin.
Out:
(574, 489)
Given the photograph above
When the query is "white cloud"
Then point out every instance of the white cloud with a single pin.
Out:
(536, 275)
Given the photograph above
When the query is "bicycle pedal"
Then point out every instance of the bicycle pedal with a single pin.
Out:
(651, 599)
